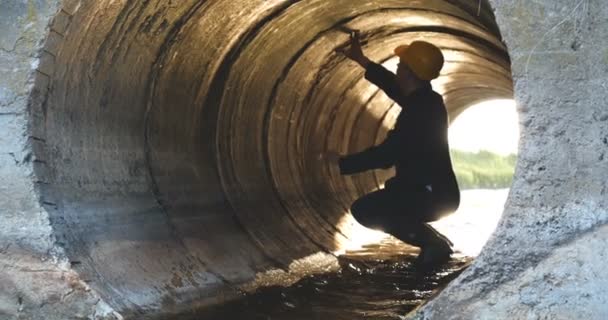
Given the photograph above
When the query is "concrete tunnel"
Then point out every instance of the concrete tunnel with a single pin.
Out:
(156, 156)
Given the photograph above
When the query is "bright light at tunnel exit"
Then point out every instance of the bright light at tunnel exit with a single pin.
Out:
(490, 125)
(493, 126)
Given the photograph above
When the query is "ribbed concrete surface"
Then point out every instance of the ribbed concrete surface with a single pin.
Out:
(175, 145)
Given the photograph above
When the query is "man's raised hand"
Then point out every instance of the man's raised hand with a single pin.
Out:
(354, 51)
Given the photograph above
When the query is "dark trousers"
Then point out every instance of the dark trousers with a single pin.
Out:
(402, 213)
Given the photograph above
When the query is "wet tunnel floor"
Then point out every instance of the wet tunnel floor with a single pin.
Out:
(376, 282)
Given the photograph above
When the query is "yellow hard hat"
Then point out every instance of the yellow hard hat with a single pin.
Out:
(423, 58)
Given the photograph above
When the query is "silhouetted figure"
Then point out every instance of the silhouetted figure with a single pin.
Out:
(424, 188)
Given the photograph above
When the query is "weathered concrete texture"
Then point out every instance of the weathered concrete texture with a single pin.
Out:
(156, 156)
(36, 281)
(165, 137)
(546, 257)
(568, 284)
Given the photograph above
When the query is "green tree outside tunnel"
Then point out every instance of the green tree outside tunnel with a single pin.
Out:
(483, 169)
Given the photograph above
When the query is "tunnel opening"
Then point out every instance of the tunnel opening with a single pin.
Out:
(181, 141)
(484, 141)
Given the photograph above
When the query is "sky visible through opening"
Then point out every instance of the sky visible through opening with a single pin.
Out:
(492, 126)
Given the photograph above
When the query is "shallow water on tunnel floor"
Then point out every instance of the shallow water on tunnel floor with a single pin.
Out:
(376, 282)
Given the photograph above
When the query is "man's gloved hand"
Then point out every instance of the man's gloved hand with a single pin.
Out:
(354, 51)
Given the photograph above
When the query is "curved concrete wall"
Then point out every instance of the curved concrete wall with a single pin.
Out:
(158, 155)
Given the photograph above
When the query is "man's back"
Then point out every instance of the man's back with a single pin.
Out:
(419, 138)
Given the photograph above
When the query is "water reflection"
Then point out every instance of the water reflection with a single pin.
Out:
(375, 282)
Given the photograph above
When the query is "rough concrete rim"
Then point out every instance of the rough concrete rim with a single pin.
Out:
(550, 47)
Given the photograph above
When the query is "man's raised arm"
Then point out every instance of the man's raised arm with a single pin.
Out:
(375, 73)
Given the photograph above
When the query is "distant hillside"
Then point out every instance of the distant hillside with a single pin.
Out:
(483, 170)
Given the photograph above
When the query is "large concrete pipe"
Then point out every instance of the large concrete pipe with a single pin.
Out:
(157, 155)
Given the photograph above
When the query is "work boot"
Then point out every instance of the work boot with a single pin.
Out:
(436, 249)
(433, 255)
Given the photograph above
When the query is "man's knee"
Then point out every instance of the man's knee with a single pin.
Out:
(369, 213)
(361, 211)
(358, 208)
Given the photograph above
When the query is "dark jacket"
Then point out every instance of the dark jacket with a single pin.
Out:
(417, 146)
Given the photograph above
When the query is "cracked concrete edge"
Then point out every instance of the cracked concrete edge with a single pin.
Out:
(37, 281)
(555, 217)
(567, 284)
(558, 288)
(37, 286)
